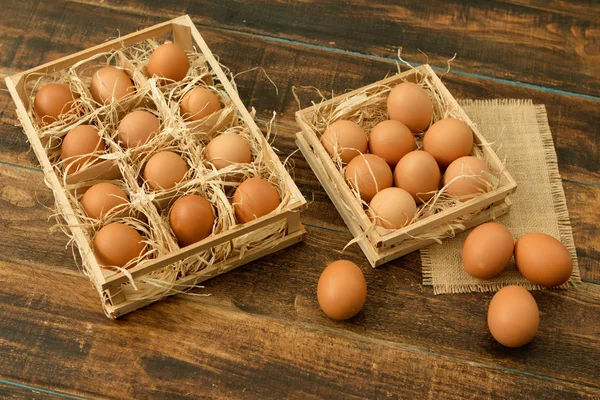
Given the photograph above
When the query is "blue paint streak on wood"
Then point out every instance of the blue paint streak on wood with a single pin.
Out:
(40, 390)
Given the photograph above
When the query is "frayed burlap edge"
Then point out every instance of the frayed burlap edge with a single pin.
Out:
(559, 201)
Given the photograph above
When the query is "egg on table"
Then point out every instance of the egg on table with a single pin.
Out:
(419, 174)
(52, 101)
(368, 174)
(199, 103)
(227, 149)
(345, 139)
(410, 104)
(254, 198)
(117, 244)
(164, 170)
(487, 250)
(342, 290)
(111, 84)
(543, 260)
(513, 316)
(192, 219)
(80, 145)
(448, 139)
(391, 140)
(137, 128)
(168, 61)
(101, 198)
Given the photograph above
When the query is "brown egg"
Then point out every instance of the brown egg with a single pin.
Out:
(117, 244)
(471, 178)
(101, 198)
(254, 198)
(368, 174)
(228, 149)
(51, 101)
(192, 219)
(391, 140)
(410, 104)
(111, 84)
(448, 139)
(137, 128)
(342, 290)
(513, 316)
(78, 145)
(487, 250)
(543, 260)
(199, 103)
(345, 138)
(168, 61)
(165, 170)
(393, 208)
(418, 173)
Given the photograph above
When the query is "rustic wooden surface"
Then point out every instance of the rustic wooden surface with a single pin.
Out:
(260, 333)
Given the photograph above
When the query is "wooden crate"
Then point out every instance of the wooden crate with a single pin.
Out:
(117, 288)
(380, 245)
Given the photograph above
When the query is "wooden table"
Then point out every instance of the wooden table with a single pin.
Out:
(260, 333)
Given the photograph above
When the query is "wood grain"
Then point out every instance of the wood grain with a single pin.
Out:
(571, 118)
(582, 9)
(535, 44)
(214, 351)
(260, 333)
(14, 391)
(398, 310)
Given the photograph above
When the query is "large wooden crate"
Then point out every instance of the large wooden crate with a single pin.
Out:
(118, 290)
(380, 245)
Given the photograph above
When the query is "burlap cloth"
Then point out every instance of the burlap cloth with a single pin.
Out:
(520, 133)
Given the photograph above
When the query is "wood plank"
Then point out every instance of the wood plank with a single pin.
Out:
(25, 223)
(398, 309)
(581, 200)
(525, 43)
(581, 9)
(202, 349)
(16, 390)
(571, 119)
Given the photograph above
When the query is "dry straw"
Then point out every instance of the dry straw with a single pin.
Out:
(368, 108)
(148, 211)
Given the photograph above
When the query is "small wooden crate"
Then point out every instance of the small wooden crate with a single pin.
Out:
(380, 245)
(118, 289)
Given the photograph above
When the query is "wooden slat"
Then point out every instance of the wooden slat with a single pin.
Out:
(282, 287)
(204, 350)
(63, 205)
(198, 247)
(210, 272)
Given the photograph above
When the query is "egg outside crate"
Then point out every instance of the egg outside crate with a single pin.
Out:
(124, 291)
(382, 245)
